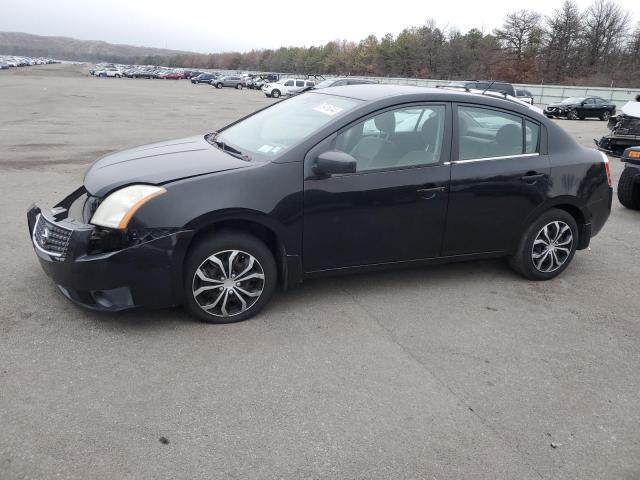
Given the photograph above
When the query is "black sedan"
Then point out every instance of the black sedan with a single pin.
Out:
(338, 180)
(575, 108)
(203, 78)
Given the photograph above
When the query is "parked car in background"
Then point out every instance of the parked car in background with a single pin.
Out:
(108, 72)
(203, 78)
(192, 73)
(173, 75)
(491, 85)
(343, 179)
(624, 130)
(629, 183)
(235, 81)
(338, 82)
(524, 95)
(286, 86)
(575, 108)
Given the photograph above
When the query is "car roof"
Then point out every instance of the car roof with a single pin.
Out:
(407, 93)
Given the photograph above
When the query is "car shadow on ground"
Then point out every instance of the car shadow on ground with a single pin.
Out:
(456, 276)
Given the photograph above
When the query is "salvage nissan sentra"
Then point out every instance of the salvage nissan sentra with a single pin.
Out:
(339, 180)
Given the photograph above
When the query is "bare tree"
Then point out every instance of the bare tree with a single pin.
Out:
(518, 31)
(605, 26)
(562, 34)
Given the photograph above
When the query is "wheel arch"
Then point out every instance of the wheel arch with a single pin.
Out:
(573, 208)
(256, 224)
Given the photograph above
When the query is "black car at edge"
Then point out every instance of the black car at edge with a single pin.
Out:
(579, 108)
(338, 180)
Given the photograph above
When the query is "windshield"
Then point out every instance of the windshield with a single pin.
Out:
(325, 84)
(573, 100)
(272, 131)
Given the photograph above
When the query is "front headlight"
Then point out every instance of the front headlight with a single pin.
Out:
(117, 209)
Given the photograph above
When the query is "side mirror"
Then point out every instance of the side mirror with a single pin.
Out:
(334, 161)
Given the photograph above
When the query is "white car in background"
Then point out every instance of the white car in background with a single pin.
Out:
(286, 86)
(108, 72)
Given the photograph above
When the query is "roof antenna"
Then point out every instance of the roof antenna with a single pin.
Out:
(488, 87)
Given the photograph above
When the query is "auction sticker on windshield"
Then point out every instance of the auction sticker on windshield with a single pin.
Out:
(328, 109)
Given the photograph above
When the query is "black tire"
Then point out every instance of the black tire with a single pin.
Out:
(239, 86)
(219, 85)
(572, 115)
(605, 116)
(220, 242)
(629, 188)
(275, 93)
(522, 260)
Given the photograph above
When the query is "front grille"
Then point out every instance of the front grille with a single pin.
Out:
(51, 238)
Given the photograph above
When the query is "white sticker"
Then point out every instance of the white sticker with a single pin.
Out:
(328, 109)
(265, 148)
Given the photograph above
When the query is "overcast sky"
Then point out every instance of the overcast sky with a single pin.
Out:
(219, 25)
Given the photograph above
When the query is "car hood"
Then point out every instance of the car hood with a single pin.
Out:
(158, 163)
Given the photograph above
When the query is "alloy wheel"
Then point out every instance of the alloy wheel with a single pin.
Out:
(552, 247)
(606, 115)
(228, 283)
(573, 115)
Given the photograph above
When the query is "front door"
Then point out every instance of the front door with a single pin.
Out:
(499, 175)
(393, 207)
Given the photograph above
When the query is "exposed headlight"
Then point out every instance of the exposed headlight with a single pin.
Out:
(117, 209)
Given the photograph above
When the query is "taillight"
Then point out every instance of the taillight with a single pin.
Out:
(607, 168)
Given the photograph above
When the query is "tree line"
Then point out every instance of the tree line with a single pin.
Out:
(595, 46)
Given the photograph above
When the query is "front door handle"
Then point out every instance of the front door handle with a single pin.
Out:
(532, 177)
(430, 192)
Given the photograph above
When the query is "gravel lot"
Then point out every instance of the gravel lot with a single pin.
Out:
(461, 371)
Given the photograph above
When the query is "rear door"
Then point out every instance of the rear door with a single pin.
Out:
(499, 175)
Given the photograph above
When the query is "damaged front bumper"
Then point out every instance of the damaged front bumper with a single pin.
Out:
(104, 269)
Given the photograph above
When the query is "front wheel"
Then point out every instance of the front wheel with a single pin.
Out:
(629, 189)
(572, 115)
(239, 86)
(547, 247)
(606, 115)
(218, 85)
(229, 277)
(275, 94)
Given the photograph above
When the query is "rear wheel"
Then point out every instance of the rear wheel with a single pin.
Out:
(229, 277)
(547, 247)
(629, 189)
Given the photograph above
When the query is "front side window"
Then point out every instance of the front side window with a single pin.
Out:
(485, 133)
(299, 83)
(273, 130)
(404, 137)
(289, 83)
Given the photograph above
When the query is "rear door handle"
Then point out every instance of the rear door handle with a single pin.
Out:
(430, 192)
(532, 177)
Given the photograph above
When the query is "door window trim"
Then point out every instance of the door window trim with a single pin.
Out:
(455, 140)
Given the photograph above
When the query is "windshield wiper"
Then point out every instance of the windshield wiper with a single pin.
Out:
(234, 152)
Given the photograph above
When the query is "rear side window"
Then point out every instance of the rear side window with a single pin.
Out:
(311, 84)
(532, 137)
(485, 133)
